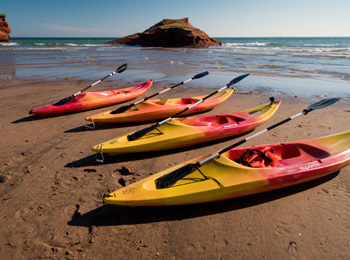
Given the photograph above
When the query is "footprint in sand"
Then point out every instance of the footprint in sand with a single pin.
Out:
(281, 229)
(292, 248)
(3, 178)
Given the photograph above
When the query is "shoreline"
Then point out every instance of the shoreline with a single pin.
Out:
(52, 187)
(272, 84)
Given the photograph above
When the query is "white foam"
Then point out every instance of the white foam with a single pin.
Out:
(93, 45)
(320, 45)
(235, 44)
(9, 44)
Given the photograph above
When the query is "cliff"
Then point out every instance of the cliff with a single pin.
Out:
(170, 33)
(4, 29)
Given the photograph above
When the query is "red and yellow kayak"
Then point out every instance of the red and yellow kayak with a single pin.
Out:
(151, 110)
(180, 132)
(223, 178)
(92, 100)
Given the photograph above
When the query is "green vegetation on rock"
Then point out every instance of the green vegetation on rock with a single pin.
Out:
(170, 26)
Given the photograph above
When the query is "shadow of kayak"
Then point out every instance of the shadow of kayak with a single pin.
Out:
(110, 215)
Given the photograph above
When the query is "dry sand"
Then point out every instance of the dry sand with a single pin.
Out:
(51, 189)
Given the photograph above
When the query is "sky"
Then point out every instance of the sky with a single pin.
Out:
(218, 18)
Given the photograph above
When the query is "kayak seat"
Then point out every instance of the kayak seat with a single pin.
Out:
(300, 153)
(227, 119)
(186, 101)
(206, 121)
(220, 120)
(234, 119)
(212, 120)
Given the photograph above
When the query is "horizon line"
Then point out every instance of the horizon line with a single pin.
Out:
(212, 37)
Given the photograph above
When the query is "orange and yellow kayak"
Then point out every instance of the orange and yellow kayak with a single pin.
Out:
(181, 132)
(151, 110)
(92, 100)
(225, 177)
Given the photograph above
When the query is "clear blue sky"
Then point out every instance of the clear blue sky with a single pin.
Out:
(218, 18)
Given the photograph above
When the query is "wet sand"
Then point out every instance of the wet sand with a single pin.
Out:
(51, 188)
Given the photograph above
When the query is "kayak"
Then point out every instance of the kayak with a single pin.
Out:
(180, 132)
(151, 110)
(92, 100)
(225, 177)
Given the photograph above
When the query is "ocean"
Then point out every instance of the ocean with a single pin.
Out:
(304, 66)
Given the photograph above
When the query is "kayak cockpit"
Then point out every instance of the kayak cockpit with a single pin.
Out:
(186, 101)
(211, 120)
(281, 155)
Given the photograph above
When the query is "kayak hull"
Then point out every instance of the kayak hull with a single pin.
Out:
(92, 100)
(151, 110)
(296, 162)
(181, 132)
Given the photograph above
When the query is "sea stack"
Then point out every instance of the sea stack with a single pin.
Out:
(4, 29)
(170, 33)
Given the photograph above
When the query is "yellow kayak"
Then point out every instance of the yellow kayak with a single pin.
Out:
(181, 132)
(151, 110)
(224, 177)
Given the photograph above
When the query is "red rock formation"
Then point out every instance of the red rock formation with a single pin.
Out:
(170, 33)
(4, 29)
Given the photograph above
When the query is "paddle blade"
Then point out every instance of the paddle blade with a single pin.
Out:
(238, 79)
(138, 134)
(200, 75)
(121, 68)
(169, 179)
(122, 109)
(63, 101)
(323, 103)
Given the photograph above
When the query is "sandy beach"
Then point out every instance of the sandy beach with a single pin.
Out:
(51, 188)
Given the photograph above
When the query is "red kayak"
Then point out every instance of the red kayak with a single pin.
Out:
(92, 100)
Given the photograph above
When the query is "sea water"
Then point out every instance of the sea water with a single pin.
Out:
(303, 66)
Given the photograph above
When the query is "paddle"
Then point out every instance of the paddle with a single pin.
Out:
(127, 107)
(63, 101)
(144, 131)
(171, 178)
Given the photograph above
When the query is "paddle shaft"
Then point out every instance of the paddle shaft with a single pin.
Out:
(234, 81)
(318, 105)
(161, 92)
(111, 74)
(125, 108)
(195, 104)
